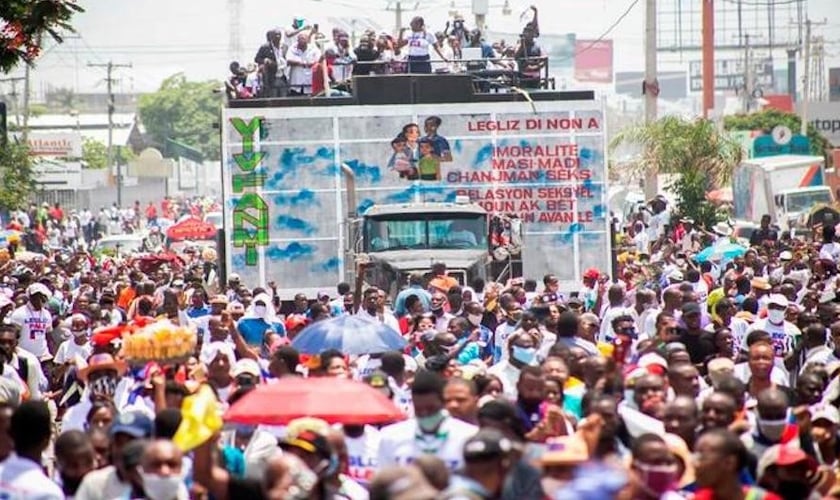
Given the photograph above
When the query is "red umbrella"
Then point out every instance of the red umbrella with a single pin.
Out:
(338, 401)
(191, 229)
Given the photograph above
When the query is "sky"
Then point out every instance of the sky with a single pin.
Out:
(162, 37)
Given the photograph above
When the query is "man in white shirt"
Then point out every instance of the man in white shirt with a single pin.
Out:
(300, 58)
(370, 310)
(522, 351)
(34, 321)
(615, 309)
(431, 432)
(784, 335)
(22, 474)
(438, 309)
(26, 366)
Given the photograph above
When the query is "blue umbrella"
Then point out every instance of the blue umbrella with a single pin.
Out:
(723, 251)
(350, 335)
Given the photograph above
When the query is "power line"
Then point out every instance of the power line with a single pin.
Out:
(769, 3)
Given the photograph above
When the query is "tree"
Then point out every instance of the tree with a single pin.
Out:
(17, 179)
(695, 149)
(184, 111)
(23, 24)
(95, 154)
(768, 119)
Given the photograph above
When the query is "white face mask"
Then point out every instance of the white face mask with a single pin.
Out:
(475, 319)
(775, 316)
(260, 311)
(159, 487)
(772, 429)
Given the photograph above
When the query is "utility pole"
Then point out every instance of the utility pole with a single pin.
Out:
(398, 13)
(791, 53)
(24, 130)
(650, 87)
(109, 79)
(806, 82)
(708, 57)
(748, 80)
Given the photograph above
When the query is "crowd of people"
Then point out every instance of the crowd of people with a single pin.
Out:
(690, 374)
(299, 59)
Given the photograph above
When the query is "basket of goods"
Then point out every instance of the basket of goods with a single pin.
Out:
(161, 341)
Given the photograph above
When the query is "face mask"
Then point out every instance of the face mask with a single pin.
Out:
(437, 307)
(260, 310)
(775, 316)
(430, 423)
(656, 479)
(524, 354)
(159, 487)
(80, 333)
(474, 319)
(772, 429)
(105, 386)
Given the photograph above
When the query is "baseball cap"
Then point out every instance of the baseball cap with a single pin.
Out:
(825, 412)
(246, 366)
(294, 321)
(690, 308)
(592, 273)
(564, 450)
(778, 299)
(676, 275)
(323, 295)
(401, 483)
(235, 308)
(308, 441)
(782, 455)
(379, 380)
(786, 255)
(134, 423)
(487, 443)
(574, 302)
(37, 288)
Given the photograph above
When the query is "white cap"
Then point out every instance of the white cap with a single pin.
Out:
(234, 277)
(38, 288)
(246, 366)
(778, 299)
(675, 275)
(826, 412)
(786, 255)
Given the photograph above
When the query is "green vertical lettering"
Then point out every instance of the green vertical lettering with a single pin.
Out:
(251, 179)
(246, 130)
(248, 160)
(257, 233)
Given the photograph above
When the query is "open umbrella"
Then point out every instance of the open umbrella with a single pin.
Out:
(349, 334)
(191, 229)
(723, 251)
(294, 397)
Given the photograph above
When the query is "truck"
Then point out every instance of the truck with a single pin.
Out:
(496, 186)
(786, 187)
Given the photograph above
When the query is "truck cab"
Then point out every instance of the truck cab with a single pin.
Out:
(400, 239)
(794, 205)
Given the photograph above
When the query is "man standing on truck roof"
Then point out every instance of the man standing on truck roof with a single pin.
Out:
(440, 280)
(415, 287)
(764, 235)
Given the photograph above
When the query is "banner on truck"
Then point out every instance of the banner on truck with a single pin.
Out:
(284, 190)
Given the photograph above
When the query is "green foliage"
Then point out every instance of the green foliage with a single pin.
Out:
(17, 179)
(23, 24)
(95, 154)
(695, 149)
(768, 119)
(184, 111)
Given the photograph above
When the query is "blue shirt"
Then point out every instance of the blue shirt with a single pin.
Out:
(197, 312)
(440, 146)
(253, 330)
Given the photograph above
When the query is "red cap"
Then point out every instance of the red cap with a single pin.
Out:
(294, 321)
(592, 274)
(104, 336)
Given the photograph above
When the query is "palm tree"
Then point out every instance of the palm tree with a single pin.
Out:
(702, 156)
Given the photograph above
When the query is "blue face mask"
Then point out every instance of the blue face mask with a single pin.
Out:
(524, 354)
(430, 423)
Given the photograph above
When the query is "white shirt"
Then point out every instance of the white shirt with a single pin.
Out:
(35, 378)
(739, 328)
(403, 442)
(301, 75)
(782, 336)
(34, 326)
(69, 350)
(362, 455)
(386, 319)
(420, 43)
(607, 333)
(501, 337)
(23, 479)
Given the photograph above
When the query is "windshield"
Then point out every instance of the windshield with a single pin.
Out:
(432, 231)
(126, 246)
(806, 200)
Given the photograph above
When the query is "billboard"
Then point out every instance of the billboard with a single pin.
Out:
(285, 195)
(825, 117)
(594, 61)
(54, 144)
(834, 84)
(729, 74)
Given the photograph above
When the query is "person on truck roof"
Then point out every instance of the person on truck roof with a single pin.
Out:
(764, 234)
